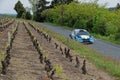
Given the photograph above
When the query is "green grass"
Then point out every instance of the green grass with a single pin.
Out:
(59, 72)
(102, 62)
(107, 38)
(57, 25)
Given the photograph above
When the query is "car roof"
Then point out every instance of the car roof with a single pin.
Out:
(79, 30)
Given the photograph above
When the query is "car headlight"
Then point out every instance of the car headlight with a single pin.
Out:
(92, 39)
(80, 39)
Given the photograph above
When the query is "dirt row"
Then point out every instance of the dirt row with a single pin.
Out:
(4, 36)
(25, 63)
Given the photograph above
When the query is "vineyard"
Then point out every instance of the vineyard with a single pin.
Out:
(27, 52)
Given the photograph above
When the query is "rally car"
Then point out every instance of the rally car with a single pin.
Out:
(81, 35)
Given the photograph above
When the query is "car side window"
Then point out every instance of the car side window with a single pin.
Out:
(74, 32)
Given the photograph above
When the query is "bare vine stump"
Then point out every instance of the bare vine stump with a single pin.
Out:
(77, 62)
(84, 70)
(56, 45)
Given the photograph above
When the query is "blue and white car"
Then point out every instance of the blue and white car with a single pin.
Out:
(81, 35)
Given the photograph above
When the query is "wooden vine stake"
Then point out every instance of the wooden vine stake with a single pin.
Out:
(9, 38)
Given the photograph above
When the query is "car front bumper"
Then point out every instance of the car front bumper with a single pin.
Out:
(86, 40)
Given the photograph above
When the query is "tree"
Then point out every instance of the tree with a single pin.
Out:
(23, 15)
(118, 6)
(54, 3)
(41, 5)
(33, 3)
(28, 15)
(59, 2)
(67, 1)
(19, 9)
(38, 6)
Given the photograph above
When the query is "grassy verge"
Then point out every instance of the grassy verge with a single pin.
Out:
(110, 65)
(106, 38)
(57, 25)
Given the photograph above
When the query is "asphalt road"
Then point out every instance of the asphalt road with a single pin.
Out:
(103, 47)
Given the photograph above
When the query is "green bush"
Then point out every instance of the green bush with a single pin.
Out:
(117, 36)
(28, 15)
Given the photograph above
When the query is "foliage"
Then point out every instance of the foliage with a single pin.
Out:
(33, 3)
(55, 2)
(118, 6)
(96, 19)
(21, 12)
(23, 15)
(19, 9)
(59, 2)
(59, 72)
(28, 15)
(38, 6)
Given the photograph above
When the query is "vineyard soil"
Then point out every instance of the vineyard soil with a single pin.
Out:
(25, 63)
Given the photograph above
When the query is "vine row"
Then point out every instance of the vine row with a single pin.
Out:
(64, 51)
(6, 61)
(4, 26)
(43, 59)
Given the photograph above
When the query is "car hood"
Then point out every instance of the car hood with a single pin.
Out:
(84, 36)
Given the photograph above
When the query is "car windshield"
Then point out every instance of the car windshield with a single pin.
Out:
(83, 33)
